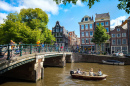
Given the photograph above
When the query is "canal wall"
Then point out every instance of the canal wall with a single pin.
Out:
(77, 57)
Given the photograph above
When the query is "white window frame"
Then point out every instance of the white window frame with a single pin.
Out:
(118, 29)
(113, 42)
(107, 24)
(123, 35)
(122, 41)
(57, 29)
(87, 26)
(83, 41)
(117, 41)
(103, 23)
(92, 33)
(106, 29)
(118, 36)
(112, 35)
(88, 33)
(92, 26)
(88, 41)
(82, 26)
(82, 34)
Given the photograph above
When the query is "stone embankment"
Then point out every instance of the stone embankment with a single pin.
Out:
(77, 57)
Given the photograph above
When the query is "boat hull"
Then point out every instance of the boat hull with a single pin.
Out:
(113, 63)
(78, 76)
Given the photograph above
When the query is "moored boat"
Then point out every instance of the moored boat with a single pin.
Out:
(87, 77)
(113, 62)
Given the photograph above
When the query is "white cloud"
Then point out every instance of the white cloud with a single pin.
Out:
(2, 16)
(117, 21)
(79, 3)
(65, 10)
(45, 5)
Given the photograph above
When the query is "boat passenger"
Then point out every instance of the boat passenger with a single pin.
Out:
(91, 72)
(99, 73)
(78, 71)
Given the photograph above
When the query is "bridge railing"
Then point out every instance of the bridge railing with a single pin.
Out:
(8, 51)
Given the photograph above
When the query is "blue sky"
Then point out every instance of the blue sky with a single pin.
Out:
(68, 15)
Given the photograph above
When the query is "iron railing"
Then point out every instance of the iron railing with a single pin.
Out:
(8, 51)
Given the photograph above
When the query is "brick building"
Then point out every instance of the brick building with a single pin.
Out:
(61, 35)
(86, 33)
(104, 19)
(119, 40)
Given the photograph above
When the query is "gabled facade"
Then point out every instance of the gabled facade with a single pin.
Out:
(61, 35)
(104, 19)
(119, 40)
(86, 33)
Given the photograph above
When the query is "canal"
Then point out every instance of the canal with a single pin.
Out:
(117, 76)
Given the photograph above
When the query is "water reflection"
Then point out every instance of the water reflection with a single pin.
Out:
(117, 75)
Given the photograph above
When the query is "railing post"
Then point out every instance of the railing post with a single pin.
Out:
(46, 47)
(31, 48)
(21, 46)
(8, 57)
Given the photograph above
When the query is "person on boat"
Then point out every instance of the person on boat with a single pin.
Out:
(91, 72)
(99, 73)
(78, 71)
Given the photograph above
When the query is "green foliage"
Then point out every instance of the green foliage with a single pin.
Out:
(29, 26)
(124, 4)
(100, 36)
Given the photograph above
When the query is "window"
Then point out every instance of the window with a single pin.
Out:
(86, 33)
(53, 29)
(61, 40)
(57, 30)
(87, 40)
(123, 41)
(91, 40)
(60, 34)
(82, 27)
(107, 29)
(113, 42)
(102, 23)
(118, 41)
(54, 34)
(57, 40)
(82, 41)
(91, 33)
(61, 29)
(86, 19)
(113, 35)
(90, 26)
(119, 35)
(102, 19)
(86, 26)
(82, 34)
(106, 23)
(123, 34)
(57, 34)
(118, 29)
(97, 23)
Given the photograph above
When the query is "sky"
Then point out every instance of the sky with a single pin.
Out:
(68, 15)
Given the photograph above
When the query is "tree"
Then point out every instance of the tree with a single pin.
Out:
(124, 4)
(28, 26)
(100, 36)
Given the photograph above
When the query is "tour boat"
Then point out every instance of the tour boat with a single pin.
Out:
(87, 77)
(113, 62)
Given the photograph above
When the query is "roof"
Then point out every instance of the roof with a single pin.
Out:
(104, 15)
(125, 21)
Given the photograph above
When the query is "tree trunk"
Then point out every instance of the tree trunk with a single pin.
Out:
(100, 48)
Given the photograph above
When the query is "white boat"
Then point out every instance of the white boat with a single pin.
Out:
(86, 77)
(113, 62)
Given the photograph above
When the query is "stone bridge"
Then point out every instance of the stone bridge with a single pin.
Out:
(31, 66)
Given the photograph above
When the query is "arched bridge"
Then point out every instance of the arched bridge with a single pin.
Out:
(26, 61)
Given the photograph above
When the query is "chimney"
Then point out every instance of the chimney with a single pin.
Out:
(92, 17)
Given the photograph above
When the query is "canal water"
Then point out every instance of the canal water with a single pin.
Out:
(53, 76)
